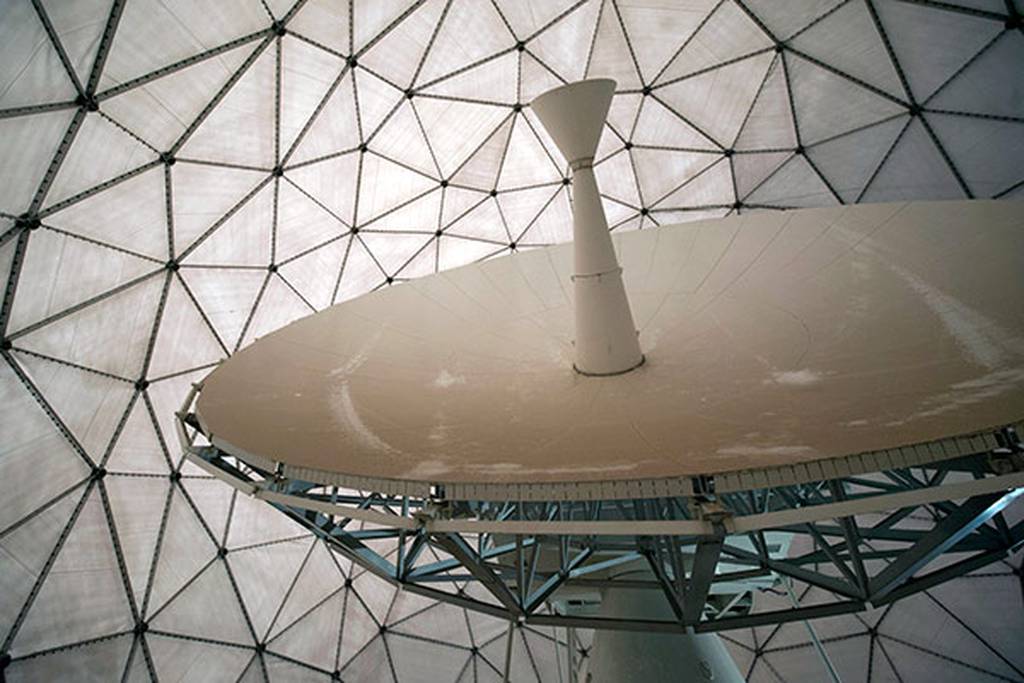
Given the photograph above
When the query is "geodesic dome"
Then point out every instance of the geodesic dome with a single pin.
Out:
(180, 178)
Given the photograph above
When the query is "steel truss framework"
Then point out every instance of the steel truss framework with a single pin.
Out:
(602, 545)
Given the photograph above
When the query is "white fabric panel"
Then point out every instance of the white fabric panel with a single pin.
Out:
(416, 658)
(794, 184)
(492, 81)
(990, 83)
(848, 39)
(371, 18)
(184, 340)
(536, 78)
(752, 169)
(244, 239)
(915, 168)
(716, 102)
(89, 335)
(481, 169)
(786, 20)
(317, 580)
(358, 629)
(138, 449)
(400, 66)
(204, 194)
(393, 251)
(453, 145)
(526, 19)
(306, 75)
(302, 223)
(440, 621)
(83, 596)
(79, 25)
(376, 99)
(325, 22)
(660, 172)
(622, 115)
(489, 222)
(401, 137)
(850, 161)
(247, 529)
(315, 276)
(526, 161)
(25, 550)
(451, 52)
(284, 671)
(610, 56)
(562, 46)
(769, 124)
(207, 607)
(314, 638)
(277, 307)
(32, 141)
(553, 224)
(30, 70)
(71, 271)
(827, 104)
(264, 575)
(130, 215)
(161, 110)
(138, 515)
(97, 662)
(359, 272)
(727, 34)
(712, 186)
(986, 156)
(335, 129)
(370, 665)
(240, 130)
(331, 183)
(180, 659)
(165, 396)
(658, 125)
(90, 404)
(153, 34)
(617, 179)
(932, 45)
(663, 25)
(386, 186)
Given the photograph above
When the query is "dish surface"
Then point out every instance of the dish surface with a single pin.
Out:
(771, 338)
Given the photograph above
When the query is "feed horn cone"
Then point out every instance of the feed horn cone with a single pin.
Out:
(606, 337)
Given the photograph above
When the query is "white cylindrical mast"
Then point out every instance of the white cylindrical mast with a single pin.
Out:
(606, 336)
(643, 657)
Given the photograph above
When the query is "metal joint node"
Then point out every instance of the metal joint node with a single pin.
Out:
(433, 510)
(712, 511)
(703, 485)
(1005, 461)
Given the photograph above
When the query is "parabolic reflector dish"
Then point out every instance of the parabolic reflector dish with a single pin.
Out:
(772, 339)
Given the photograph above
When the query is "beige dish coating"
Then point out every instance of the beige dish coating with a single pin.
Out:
(771, 338)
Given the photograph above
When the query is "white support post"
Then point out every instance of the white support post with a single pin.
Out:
(606, 336)
(638, 657)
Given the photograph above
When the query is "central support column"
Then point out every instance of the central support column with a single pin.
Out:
(606, 336)
(637, 657)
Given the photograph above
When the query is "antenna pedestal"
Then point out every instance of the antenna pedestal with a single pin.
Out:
(646, 657)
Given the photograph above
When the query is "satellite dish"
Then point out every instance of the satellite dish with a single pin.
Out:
(772, 340)
(780, 348)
